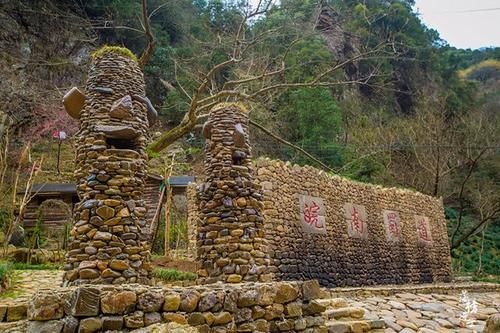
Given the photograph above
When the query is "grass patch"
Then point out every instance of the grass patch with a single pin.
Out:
(10, 294)
(123, 51)
(23, 266)
(170, 274)
(486, 278)
(155, 256)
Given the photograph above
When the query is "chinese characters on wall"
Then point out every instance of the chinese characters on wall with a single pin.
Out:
(312, 219)
(392, 225)
(356, 217)
(423, 230)
(312, 214)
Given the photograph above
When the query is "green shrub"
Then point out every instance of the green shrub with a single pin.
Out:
(170, 274)
(25, 266)
(5, 273)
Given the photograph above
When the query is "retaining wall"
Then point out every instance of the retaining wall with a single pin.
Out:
(345, 233)
(247, 307)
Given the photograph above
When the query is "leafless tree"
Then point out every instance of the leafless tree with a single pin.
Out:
(480, 132)
(254, 76)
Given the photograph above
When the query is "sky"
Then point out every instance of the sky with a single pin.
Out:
(463, 23)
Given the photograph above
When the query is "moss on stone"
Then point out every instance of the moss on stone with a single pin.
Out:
(240, 106)
(123, 51)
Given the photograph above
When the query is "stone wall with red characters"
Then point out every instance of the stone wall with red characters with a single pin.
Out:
(346, 233)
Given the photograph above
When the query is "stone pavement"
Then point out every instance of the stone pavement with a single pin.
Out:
(27, 282)
(14, 302)
(384, 309)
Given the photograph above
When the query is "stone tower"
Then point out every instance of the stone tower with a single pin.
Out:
(114, 113)
(231, 244)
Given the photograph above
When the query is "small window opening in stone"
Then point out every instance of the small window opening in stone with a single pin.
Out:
(238, 157)
(121, 143)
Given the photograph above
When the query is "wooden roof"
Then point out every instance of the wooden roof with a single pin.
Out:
(52, 188)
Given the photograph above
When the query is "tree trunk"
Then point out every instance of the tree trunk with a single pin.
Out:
(437, 174)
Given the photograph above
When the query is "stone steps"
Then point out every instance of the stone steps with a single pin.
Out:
(355, 326)
(340, 317)
(347, 312)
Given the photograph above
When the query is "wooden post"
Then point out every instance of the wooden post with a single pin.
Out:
(168, 206)
(59, 141)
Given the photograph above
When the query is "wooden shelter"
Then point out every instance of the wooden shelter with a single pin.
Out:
(55, 217)
(155, 196)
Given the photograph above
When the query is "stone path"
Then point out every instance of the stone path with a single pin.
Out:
(27, 282)
(13, 304)
(411, 312)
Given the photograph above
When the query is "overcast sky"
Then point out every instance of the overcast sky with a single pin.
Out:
(463, 23)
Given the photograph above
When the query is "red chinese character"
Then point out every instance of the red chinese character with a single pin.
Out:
(311, 215)
(422, 230)
(356, 221)
(393, 224)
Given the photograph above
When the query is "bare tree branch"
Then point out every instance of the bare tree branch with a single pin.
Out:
(253, 76)
(489, 217)
(472, 166)
(149, 50)
(289, 144)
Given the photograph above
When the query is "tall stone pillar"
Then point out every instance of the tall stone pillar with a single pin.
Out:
(231, 245)
(105, 244)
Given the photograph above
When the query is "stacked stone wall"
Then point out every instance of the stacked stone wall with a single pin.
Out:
(248, 307)
(231, 246)
(106, 244)
(345, 233)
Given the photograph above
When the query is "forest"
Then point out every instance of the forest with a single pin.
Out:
(362, 89)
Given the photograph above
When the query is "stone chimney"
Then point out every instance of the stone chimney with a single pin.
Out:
(231, 244)
(105, 244)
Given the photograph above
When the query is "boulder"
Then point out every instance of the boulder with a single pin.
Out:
(285, 293)
(112, 323)
(311, 290)
(122, 108)
(45, 306)
(73, 101)
(50, 326)
(239, 136)
(90, 325)
(70, 324)
(117, 132)
(150, 301)
(17, 237)
(16, 312)
(172, 302)
(118, 302)
(134, 320)
(83, 302)
(189, 300)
